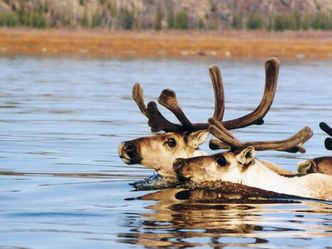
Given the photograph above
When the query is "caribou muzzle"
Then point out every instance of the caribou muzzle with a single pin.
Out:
(129, 152)
(179, 167)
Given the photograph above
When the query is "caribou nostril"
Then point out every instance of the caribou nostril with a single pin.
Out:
(129, 148)
(178, 163)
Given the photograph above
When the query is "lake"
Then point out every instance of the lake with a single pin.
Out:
(62, 184)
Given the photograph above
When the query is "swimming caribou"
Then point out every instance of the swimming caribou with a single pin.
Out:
(182, 140)
(240, 165)
(318, 164)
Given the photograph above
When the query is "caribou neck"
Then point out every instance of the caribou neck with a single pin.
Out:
(311, 186)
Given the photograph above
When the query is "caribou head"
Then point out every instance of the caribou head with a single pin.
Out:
(182, 140)
(243, 167)
(159, 151)
(316, 165)
(319, 164)
(229, 165)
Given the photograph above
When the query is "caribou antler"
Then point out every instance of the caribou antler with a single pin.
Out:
(256, 117)
(328, 141)
(157, 121)
(292, 144)
(168, 99)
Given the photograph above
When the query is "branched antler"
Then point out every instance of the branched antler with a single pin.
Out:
(157, 121)
(256, 117)
(168, 99)
(228, 141)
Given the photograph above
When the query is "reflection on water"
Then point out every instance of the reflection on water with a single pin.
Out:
(62, 184)
(173, 222)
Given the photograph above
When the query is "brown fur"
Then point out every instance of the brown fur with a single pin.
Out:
(316, 165)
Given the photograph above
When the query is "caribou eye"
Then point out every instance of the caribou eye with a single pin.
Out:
(171, 142)
(221, 160)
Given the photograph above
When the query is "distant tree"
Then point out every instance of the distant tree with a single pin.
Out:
(201, 24)
(285, 22)
(158, 19)
(127, 19)
(297, 17)
(8, 20)
(12, 21)
(237, 22)
(85, 23)
(181, 20)
(96, 20)
(279, 23)
(213, 6)
(36, 20)
(255, 20)
(170, 15)
(3, 19)
(322, 21)
(305, 22)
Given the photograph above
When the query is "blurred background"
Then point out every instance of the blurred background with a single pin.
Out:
(220, 28)
(274, 15)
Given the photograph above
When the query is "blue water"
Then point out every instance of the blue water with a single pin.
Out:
(62, 184)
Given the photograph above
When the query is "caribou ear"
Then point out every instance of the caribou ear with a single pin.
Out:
(194, 139)
(306, 167)
(246, 156)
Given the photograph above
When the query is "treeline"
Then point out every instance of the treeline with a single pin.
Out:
(164, 16)
(284, 21)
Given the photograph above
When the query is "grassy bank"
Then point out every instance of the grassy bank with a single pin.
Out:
(229, 44)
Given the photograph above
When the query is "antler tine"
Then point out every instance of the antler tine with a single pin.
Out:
(218, 89)
(168, 99)
(328, 143)
(216, 144)
(138, 96)
(326, 128)
(256, 117)
(292, 144)
(157, 121)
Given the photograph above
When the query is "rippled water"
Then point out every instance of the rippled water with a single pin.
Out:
(62, 184)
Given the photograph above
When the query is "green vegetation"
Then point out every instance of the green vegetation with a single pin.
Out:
(158, 19)
(255, 20)
(181, 20)
(237, 22)
(170, 15)
(22, 17)
(161, 16)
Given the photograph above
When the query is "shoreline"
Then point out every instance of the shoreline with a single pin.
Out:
(169, 44)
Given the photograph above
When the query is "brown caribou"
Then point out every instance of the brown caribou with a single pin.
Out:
(318, 164)
(182, 140)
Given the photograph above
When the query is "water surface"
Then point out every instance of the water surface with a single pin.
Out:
(62, 184)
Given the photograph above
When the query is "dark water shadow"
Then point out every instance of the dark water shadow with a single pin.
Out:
(215, 217)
